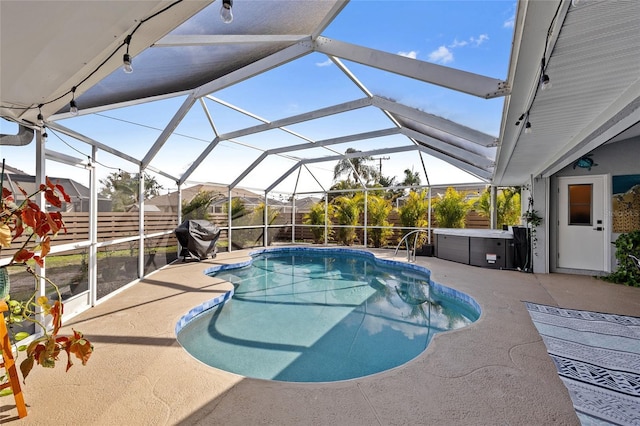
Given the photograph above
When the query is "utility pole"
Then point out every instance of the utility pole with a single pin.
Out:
(380, 162)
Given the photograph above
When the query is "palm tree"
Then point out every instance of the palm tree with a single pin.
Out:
(411, 178)
(122, 189)
(387, 182)
(354, 167)
(317, 217)
(347, 211)
(451, 209)
(507, 205)
(378, 210)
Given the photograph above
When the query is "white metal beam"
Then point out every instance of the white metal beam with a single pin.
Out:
(161, 172)
(283, 176)
(329, 17)
(92, 142)
(466, 167)
(166, 133)
(342, 67)
(450, 150)
(319, 113)
(64, 158)
(249, 169)
(451, 78)
(257, 117)
(198, 161)
(357, 154)
(279, 58)
(440, 125)
(173, 40)
(318, 144)
(338, 140)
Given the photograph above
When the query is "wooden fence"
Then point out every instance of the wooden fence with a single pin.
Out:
(115, 225)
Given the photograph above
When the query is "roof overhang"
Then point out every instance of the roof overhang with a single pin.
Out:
(593, 60)
(48, 47)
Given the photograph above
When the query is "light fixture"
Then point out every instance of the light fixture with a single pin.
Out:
(45, 136)
(575, 3)
(126, 59)
(225, 11)
(545, 82)
(40, 117)
(126, 63)
(73, 107)
(527, 128)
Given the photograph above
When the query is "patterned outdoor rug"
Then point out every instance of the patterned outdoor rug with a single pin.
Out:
(598, 358)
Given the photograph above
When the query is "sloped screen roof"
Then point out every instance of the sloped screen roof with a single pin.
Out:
(204, 49)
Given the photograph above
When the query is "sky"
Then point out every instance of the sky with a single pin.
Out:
(473, 36)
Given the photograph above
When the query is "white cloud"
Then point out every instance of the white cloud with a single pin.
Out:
(412, 54)
(326, 63)
(481, 39)
(442, 55)
(509, 23)
(457, 43)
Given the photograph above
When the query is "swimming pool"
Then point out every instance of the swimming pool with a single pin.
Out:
(321, 315)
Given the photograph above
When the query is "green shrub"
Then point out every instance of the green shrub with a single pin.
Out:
(628, 272)
(378, 210)
(198, 207)
(347, 212)
(414, 213)
(507, 206)
(317, 217)
(451, 209)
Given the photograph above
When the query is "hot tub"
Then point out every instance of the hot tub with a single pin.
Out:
(488, 248)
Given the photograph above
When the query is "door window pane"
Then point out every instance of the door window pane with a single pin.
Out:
(580, 198)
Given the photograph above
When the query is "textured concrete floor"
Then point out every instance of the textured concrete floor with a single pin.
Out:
(495, 371)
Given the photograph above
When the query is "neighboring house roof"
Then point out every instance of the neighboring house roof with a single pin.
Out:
(305, 204)
(74, 189)
(170, 200)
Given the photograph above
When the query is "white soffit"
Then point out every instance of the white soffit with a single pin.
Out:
(595, 71)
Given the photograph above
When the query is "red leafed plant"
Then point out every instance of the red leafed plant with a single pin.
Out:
(28, 220)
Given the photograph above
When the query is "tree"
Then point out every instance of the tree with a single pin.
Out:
(122, 189)
(451, 209)
(198, 207)
(411, 178)
(353, 166)
(317, 217)
(258, 215)
(238, 208)
(378, 210)
(387, 182)
(347, 212)
(257, 218)
(507, 205)
(340, 186)
(414, 214)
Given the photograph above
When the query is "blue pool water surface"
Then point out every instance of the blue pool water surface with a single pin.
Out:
(321, 315)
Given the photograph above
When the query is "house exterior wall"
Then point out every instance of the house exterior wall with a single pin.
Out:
(615, 159)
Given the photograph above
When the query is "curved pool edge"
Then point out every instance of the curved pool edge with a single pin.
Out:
(225, 297)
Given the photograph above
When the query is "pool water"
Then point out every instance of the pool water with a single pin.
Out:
(320, 315)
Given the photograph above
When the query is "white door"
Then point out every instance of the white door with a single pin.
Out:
(583, 225)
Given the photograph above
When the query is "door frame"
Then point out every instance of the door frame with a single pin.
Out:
(606, 218)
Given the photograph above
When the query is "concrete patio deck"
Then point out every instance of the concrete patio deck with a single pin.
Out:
(495, 371)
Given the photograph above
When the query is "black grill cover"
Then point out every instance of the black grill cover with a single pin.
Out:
(198, 239)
